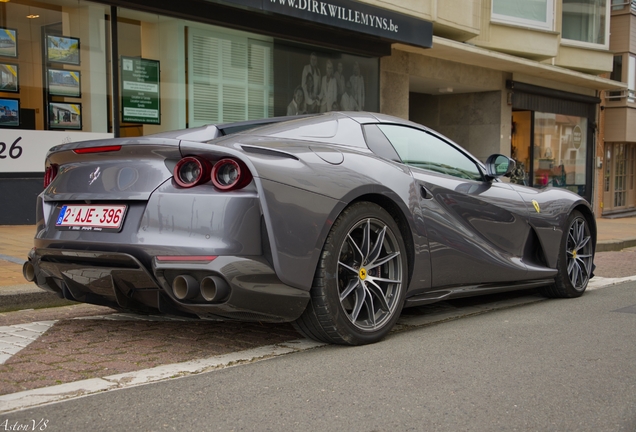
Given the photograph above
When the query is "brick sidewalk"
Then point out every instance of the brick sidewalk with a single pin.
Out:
(616, 264)
(77, 349)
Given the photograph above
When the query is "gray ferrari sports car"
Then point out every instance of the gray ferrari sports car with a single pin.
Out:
(334, 222)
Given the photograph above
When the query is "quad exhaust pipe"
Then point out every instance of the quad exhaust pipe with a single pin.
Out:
(28, 271)
(185, 287)
(212, 289)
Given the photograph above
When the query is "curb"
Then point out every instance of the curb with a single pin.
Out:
(615, 245)
(28, 296)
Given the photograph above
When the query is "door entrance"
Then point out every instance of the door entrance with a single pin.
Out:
(618, 187)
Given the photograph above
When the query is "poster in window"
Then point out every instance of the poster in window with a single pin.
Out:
(62, 49)
(65, 115)
(64, 83)
(9, 78)
(8, 42)
(140, 98)
(9, 113)
(309, 82)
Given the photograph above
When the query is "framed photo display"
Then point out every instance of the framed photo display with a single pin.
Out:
(9, 78)
(8, 42)
(65, 115)
(62, 82)
(62, 49)
(9, 113)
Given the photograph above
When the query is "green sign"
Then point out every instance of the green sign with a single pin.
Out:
(140, 90)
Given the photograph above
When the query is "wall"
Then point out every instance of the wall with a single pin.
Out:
(479, 122)
(620, 124)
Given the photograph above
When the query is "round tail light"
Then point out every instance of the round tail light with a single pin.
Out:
(228, 174)
(49, 174)
(191, 171)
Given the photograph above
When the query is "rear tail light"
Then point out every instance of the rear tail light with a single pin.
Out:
(49, 174)
(100, 149)
(228, 174)
(191, 171)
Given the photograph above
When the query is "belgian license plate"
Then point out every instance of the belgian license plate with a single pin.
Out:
(87, 217)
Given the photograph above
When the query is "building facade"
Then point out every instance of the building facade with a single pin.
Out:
(618, 154)
(497, 76)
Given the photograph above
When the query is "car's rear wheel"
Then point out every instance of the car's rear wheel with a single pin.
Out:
(360, 283)
(576, 255)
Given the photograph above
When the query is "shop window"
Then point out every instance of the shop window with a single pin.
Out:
(48, 51)
(586, 21)
(232, 78)
(560, 148)
(54, 84)
(533, 13)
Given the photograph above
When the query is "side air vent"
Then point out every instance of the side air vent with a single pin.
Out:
(533, 250)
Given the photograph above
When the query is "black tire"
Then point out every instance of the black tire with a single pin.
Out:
(576, 255)
(357, 296)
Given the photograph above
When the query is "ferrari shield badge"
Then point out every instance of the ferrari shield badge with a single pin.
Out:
(536, 206)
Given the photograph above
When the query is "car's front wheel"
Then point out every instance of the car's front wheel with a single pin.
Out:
(360, 283)
(576, 255)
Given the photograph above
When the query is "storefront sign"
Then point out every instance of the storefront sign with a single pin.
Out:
(350, 15)
(25, 150)
(140, 90)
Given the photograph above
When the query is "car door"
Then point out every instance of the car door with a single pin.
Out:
(477, 228)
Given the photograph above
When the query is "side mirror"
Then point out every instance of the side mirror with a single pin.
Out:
(499, 165)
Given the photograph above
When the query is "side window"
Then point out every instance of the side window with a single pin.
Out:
(423, 150)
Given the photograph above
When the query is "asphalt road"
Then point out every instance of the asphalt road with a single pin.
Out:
(558, 365)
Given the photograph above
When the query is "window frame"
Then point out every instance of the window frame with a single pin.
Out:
(522, 22)
(581, 44)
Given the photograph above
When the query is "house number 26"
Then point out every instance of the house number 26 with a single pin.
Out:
(15, 151)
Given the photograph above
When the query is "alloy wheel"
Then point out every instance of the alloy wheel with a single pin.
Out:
(579, 254)
(369, 274)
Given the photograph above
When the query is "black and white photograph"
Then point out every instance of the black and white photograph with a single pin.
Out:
(64, 83)
(65, 116)
(8, 42)
(310, 82)
(9, 78)
(62, 49)
(9, 112)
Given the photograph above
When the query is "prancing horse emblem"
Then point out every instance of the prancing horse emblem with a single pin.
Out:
(536, 206)
(94, 175)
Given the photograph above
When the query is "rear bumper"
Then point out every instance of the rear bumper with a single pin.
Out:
(121, 281)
